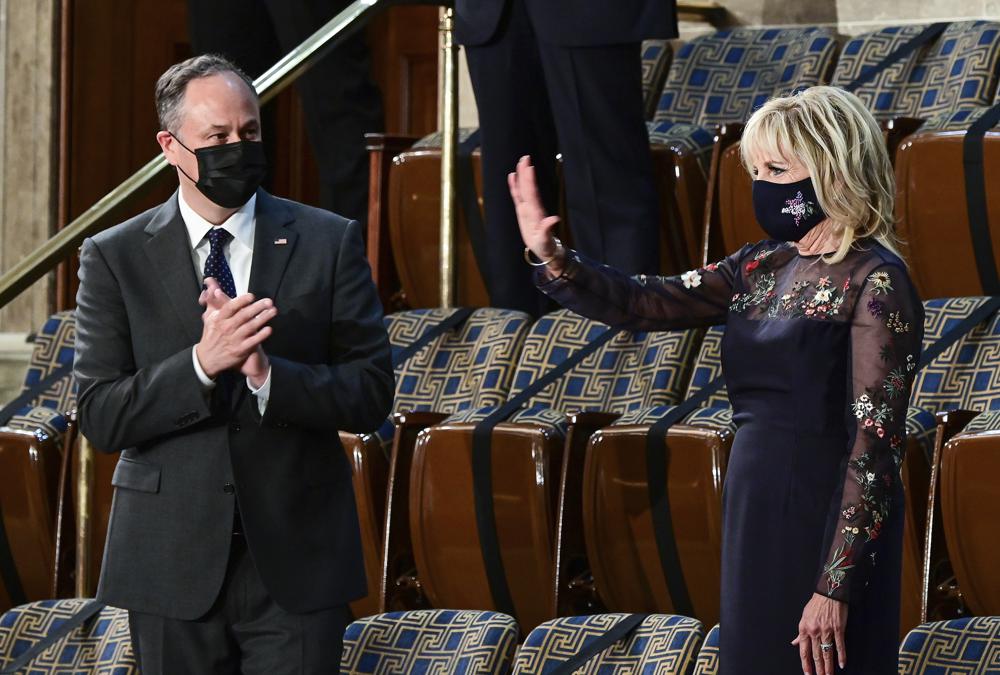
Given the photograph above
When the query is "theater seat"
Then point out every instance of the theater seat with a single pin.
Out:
(30, 456)
(965, 377)
(957, 70)
(970, 511)
(470, 366)
(715, 81)
(430, 641)
(618, 529)
(932, 215)
(970, 646)
(944, 85)
(101, 646)
(537, 463)
(708, 655)
(662, 644)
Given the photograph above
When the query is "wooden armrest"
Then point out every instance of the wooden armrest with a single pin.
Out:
(727, 134)
(389, 142)
(592, 419)
(950, 422)
(421, 418)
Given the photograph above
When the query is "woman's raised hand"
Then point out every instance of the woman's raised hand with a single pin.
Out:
(536, 227)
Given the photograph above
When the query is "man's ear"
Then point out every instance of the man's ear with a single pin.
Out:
(168, 144)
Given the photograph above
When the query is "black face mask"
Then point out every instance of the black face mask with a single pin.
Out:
(229, 174)
(786, 211)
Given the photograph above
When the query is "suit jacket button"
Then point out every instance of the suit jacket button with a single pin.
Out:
(235, 427)
(229, 488)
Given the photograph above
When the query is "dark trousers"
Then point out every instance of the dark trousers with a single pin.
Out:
(244, 632)
(586, 103)
(339, 99)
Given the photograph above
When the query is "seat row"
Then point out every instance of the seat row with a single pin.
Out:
(569, 484)
(699, 97)
(468, 641)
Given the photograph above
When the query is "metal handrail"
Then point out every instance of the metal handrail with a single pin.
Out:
(61, 245)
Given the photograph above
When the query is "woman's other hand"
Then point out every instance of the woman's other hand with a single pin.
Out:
(536, 227)
(823, 622)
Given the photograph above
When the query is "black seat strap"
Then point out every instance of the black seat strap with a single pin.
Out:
(975, 199)
(482, 471)
(469, 202)
(657, 459)
(65, 628)
(928, 34)
(34, 391)
(455, 319)
(620, 631)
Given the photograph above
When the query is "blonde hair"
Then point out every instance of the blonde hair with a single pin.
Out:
(831, 132)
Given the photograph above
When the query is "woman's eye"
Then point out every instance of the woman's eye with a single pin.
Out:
(775, 171)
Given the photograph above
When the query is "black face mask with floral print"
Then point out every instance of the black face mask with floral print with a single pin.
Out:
(787, 211)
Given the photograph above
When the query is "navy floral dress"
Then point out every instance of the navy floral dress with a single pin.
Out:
(818, 360)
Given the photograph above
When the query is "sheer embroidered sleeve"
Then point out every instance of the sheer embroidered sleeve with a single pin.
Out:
(886, 330)
(700, 297)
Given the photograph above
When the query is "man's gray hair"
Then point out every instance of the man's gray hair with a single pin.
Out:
(173, 83)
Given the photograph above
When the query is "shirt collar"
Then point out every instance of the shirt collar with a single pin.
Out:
(240, 224)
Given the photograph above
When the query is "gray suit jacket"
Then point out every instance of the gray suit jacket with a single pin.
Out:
(186, 455)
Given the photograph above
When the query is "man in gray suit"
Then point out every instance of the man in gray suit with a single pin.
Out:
(233, 539)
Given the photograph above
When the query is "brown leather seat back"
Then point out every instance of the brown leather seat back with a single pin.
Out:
(29, 476)
(414, 217)
(621, 545)
(932, 215)
(738, 225)
(970, 510)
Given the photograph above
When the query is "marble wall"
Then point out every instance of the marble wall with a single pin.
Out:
(28, 146)
(848, 16)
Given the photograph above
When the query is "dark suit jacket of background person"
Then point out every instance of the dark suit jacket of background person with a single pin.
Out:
(172, 515)
(572, 23)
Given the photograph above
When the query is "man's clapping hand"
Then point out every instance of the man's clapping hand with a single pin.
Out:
(232, 333)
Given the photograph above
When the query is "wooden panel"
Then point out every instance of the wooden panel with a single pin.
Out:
(404, 66)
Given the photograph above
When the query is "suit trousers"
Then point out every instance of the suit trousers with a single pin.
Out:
(244, 632)
(340, 101)
(586, 103)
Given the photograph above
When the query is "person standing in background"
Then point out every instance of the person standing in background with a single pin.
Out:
(544, 70)
(339, 99)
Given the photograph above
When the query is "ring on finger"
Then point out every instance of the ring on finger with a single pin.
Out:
(826, 646)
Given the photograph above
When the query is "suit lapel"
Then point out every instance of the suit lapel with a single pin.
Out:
(272, 246)
(169, 251)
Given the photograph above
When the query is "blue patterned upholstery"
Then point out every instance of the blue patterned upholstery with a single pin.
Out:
(656, 56)
(102, 646)
(433, 140)
(988, 421)
(920, 426)
(721, 78)
(465, 369)
(716, 412)
(969, 646)
(958, 70)
(630, 372)
(967, 374)
(663, 644)
(430, 641)
(708, 655)
(53, 348)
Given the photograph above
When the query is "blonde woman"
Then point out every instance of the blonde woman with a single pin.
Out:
(822, 340)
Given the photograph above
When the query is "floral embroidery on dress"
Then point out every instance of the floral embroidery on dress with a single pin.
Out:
(799, 208)
(691, 279)
(824, 303)
(896, 324)
(881, 283)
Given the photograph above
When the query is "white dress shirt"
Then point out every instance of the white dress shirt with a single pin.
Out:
(239, 254)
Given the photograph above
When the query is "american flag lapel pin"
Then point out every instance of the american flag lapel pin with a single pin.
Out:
(280, 242)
